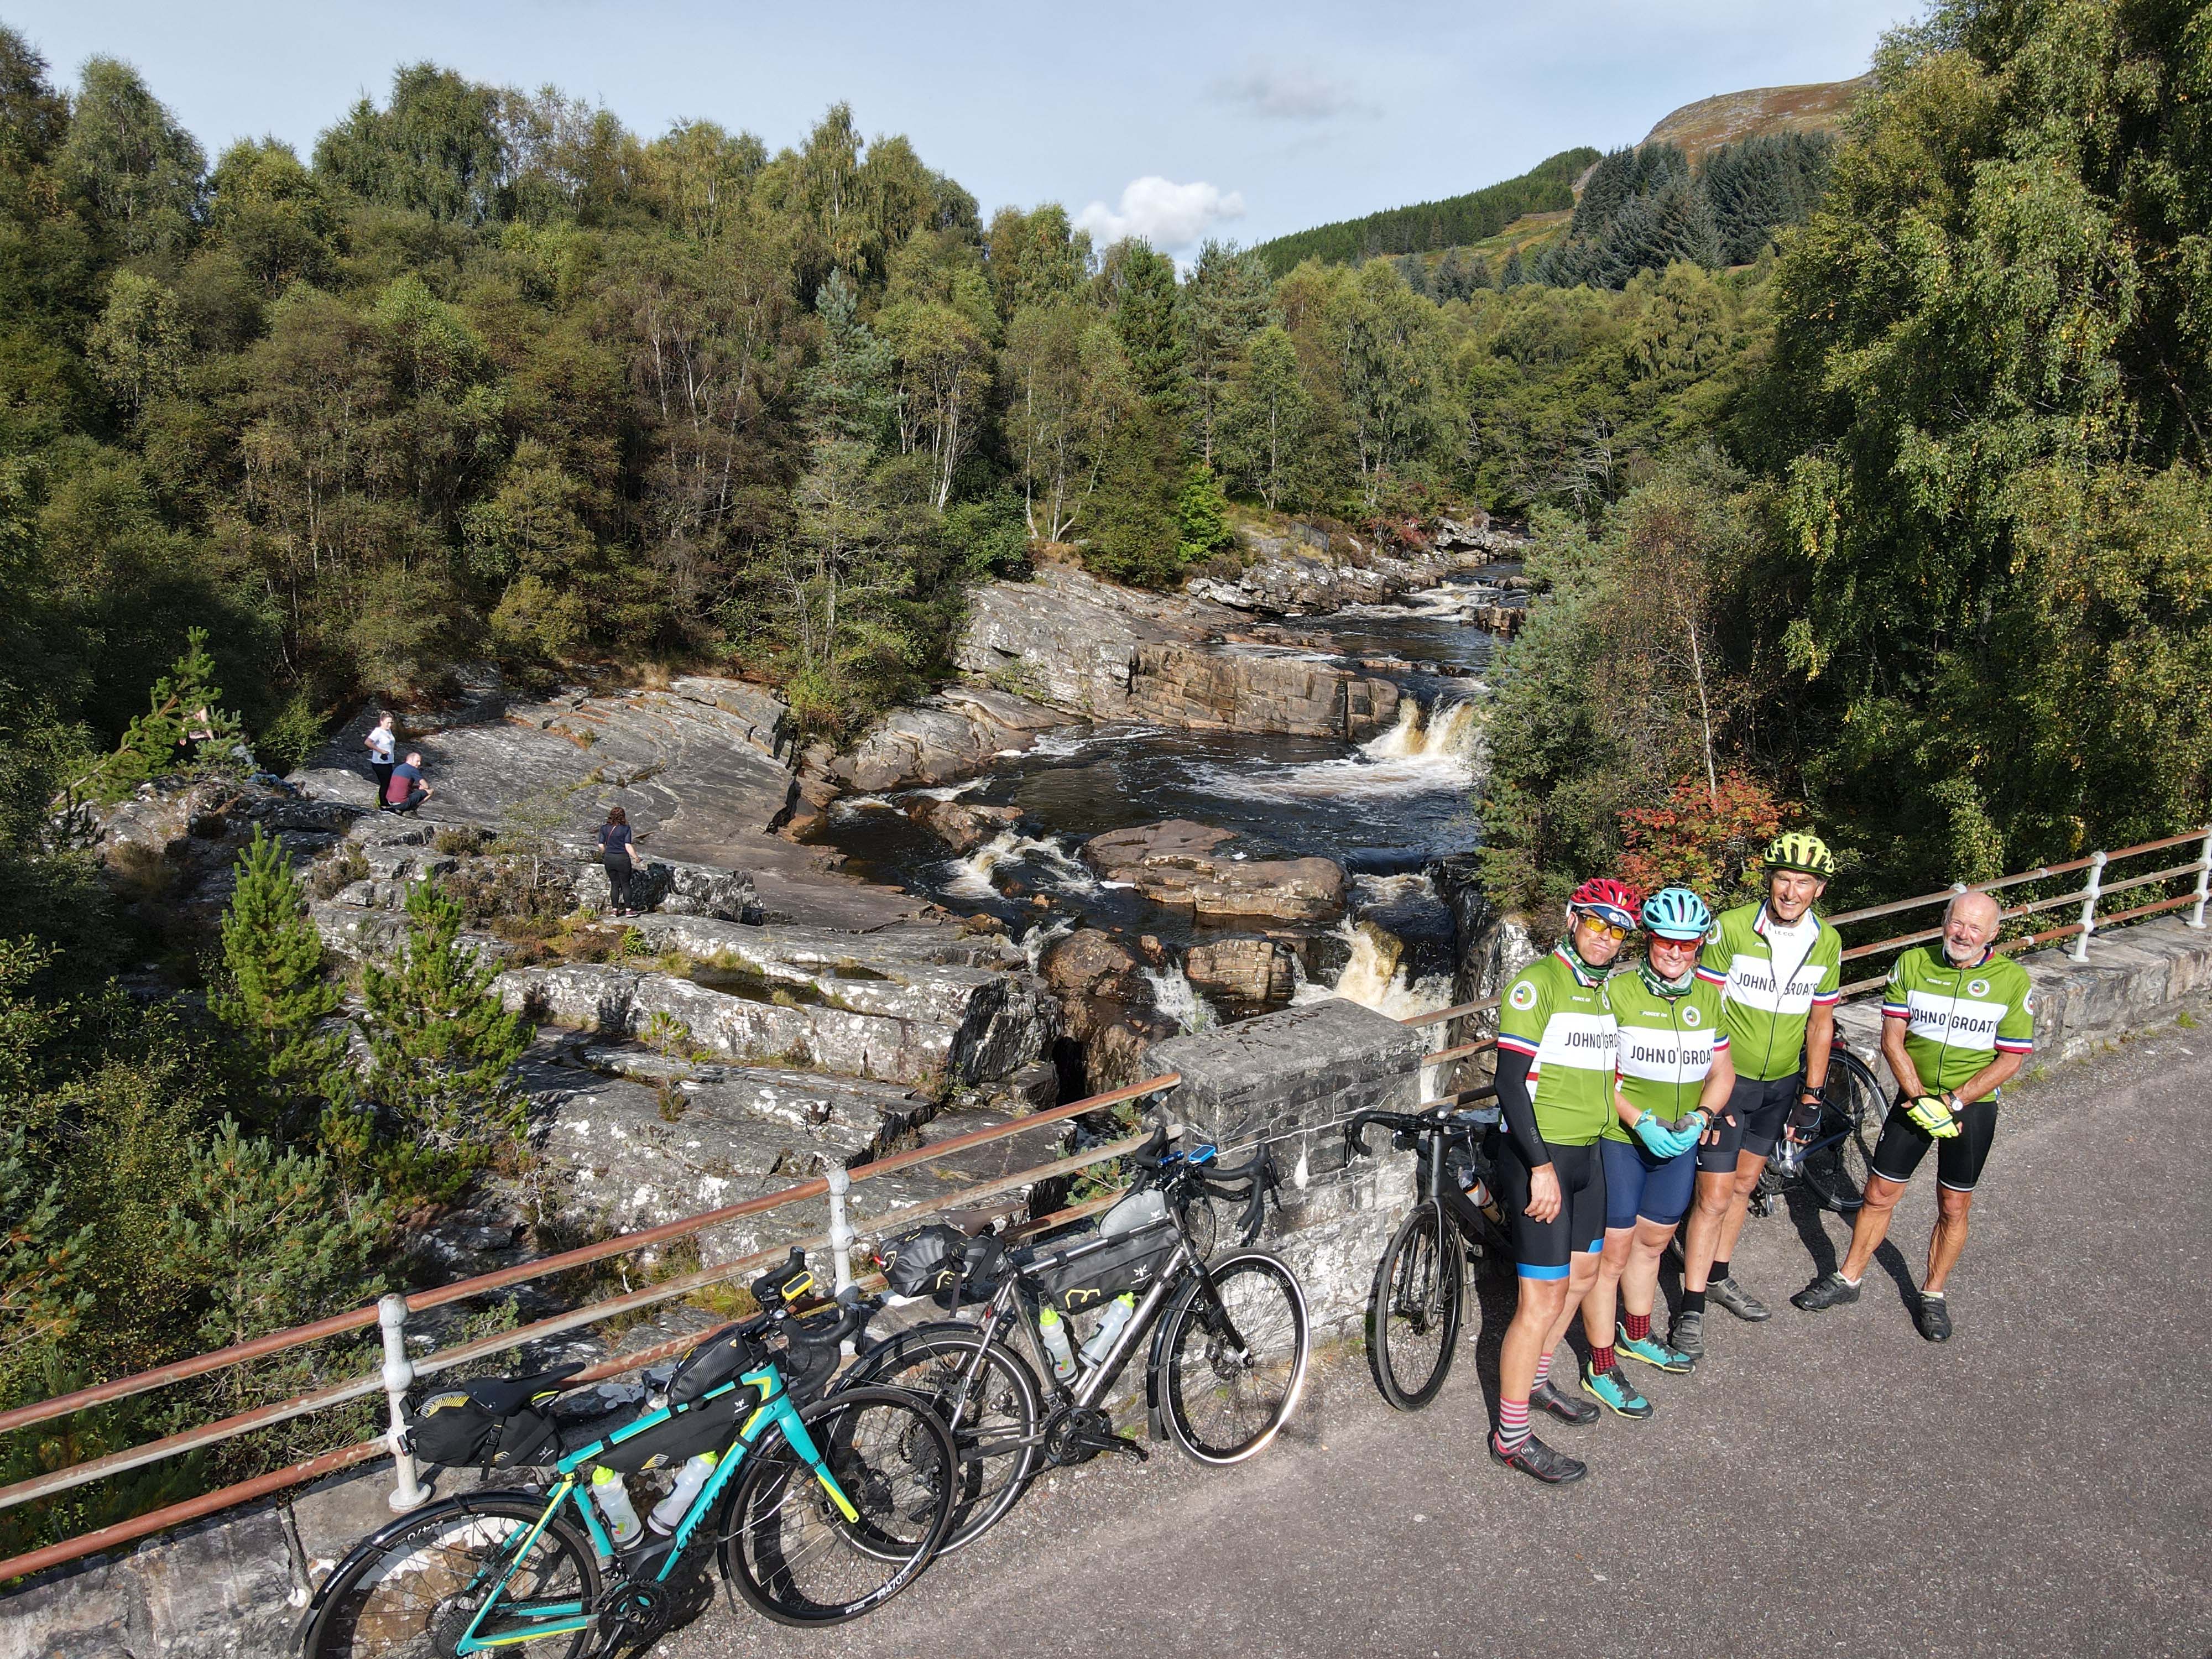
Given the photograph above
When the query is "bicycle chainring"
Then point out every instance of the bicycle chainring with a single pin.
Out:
(1076, 1434)
(633, 1616)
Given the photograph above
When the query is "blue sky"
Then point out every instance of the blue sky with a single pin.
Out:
(1175, 120)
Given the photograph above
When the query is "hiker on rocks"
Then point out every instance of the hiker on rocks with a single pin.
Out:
(407, 791)
(379, 743)
(615, 843)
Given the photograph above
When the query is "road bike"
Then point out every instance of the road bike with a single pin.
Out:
(818, 1512)
(1832, 1163)
(1415, 1305)
(1229, 1338)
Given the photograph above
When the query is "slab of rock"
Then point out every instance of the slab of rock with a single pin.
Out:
(1257, 689)
(364, 933)
(943, 738)
(1181, 863)
(1107, 1005)
(764, 719)
(1243, 973)
(674, 889)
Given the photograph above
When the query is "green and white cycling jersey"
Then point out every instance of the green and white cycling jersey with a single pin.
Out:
(1958, 1019)
(1666, 1045)
(1771, 978)
(1557, 1015)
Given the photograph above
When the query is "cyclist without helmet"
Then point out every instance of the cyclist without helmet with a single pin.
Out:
(1779, 968)
(1672, 1077)
(1954, 1030)
(1555, 1043)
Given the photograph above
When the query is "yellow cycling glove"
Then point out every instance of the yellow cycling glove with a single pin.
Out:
(1931, 1113)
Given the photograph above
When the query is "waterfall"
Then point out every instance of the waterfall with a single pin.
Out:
(1448, 731)
(1375, 976)
(1038, 940)
(972, 874)
(1174, 995)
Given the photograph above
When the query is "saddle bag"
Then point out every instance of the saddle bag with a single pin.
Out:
(457, 1430)
(924, 1262)
(1089, 1271)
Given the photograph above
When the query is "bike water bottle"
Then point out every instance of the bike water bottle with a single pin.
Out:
(1102, 1339)
(670, 1509)
(613, 1499)
(1054, 1329)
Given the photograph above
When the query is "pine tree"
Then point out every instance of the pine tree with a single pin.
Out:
(441, 1048)
(275, 997)
(183, 709)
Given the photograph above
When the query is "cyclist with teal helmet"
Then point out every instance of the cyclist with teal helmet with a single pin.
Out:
(1671, 1076)
(1780, 969)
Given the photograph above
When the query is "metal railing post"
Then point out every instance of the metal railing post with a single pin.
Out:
(840, 1233)
(408, 1491)
(2095, 885)
(2203, 880)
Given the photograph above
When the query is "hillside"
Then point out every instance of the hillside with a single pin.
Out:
(1456, 221)
(1710, 123)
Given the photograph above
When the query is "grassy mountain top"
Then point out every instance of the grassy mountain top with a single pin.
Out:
(1457, 220)
(1712, 122)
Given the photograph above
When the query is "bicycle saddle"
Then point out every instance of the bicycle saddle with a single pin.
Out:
(979, 1220)
(503, 1396)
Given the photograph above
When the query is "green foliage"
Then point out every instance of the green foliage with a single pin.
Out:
(440, 1105)
(1547, 187)
(273, 995)
(136, 172)
(1202, 516)
(185, 714)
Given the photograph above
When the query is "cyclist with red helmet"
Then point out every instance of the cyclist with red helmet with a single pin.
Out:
(1555, 1038)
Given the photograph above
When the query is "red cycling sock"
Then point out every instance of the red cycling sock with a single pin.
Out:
(1638, 1326)
(1600, 1360)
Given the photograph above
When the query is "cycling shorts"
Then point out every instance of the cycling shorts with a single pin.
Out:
(1758, 1106)
(1638, 1185)
(1541, 1248)
(1959, 1157)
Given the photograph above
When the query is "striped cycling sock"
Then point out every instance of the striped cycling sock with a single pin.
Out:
(1512, 1424)
(1600, 1359)
(1543, 1370)
(1638, 1326)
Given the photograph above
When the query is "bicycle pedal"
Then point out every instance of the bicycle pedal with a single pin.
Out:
(1128, 1448)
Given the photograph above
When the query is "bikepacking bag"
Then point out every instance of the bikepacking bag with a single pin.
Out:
(924, 1262)
(457, 1430)
(701, 1425)
(1090, 1271)
(720, 1357)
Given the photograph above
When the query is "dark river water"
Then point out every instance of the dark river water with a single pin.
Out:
(1382, 808)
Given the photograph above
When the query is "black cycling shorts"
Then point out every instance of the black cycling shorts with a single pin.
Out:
(1758, 1109)
(1541, 1248)
(1959, 1157)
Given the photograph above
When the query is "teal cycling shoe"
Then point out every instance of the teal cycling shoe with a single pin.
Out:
(1652, 1351)
(1615, 1393)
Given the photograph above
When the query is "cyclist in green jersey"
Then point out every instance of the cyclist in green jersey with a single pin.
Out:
(1671, 1076)
(1780, 970)
(1555, 1055)
(1954, 1030)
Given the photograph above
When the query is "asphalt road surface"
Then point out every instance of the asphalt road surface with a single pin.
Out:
(1825, 1484)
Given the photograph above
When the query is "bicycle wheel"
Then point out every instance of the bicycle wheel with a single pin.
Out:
(1414, 1308)
(1232, 1382)
(994, 1420)
(410, 1590)
(1851, 1116)
(794, 1555)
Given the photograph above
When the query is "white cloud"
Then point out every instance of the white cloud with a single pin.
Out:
(1289, 93)
(1167, 215)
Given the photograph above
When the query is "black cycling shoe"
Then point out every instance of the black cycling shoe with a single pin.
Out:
(1688, 1335)
(1738, 1301)
(1532, 1456)
(1933, 1316)
(1828, 1290)
(1565, 1407)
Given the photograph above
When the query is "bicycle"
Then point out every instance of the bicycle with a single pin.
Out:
(1833, 1163)
(1415, 1304)
(819, 1512)
(1230, 1338)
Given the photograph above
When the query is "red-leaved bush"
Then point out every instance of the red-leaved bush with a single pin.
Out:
(1703, 838)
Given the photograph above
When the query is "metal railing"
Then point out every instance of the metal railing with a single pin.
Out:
(399, 1372)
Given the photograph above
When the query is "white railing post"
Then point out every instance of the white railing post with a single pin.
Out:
(2203, 878)
(841, 1231)
(2089, 891)
(408, 1491)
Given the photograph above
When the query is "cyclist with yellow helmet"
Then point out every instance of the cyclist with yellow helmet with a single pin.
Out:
(1779, 968)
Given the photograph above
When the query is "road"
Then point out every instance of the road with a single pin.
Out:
(1826, 1484)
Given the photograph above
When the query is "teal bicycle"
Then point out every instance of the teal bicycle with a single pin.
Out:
(818, 1512)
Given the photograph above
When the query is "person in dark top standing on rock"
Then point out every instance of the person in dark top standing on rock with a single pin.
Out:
(407, 791)
(379, 743)
(615, 843)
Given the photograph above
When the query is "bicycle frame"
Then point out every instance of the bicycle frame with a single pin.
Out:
(551, 1619)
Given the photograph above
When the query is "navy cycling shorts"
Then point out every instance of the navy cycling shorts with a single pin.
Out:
(1640, 1186)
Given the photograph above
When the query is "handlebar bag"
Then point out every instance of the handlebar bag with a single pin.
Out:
(1091, 1271)
(456, 1430)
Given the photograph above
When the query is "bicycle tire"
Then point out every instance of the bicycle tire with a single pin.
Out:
(1255, 1385)
(897, 1462)
(1006, 1405)
(1853, 1112)
(375, 1605)
(1418, 1295)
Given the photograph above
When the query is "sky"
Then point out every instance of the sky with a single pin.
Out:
(1176, 121)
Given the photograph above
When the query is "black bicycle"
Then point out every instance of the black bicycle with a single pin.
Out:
(1415, 1307)
(1832, 1163)
(1230, 1338)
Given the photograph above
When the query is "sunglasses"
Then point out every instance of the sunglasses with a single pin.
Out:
(1606, 929)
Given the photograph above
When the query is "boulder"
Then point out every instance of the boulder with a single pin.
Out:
(673, 888)
(365, 934)
(960, 826)
(1107, 1004)
(1243, 973)
(1191, 866)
